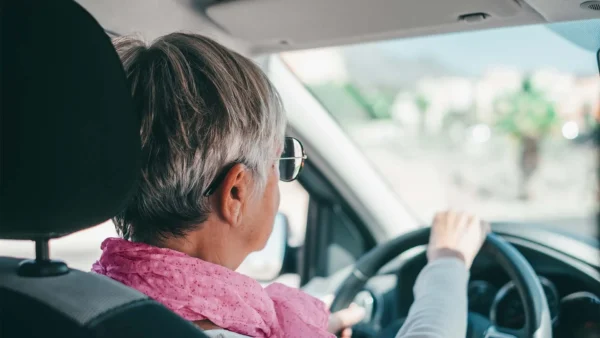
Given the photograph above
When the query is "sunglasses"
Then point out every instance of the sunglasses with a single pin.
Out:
(291, 163)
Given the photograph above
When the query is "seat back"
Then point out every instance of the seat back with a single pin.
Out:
(69, 159)
(81, 304)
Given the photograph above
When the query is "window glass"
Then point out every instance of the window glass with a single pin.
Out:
(499, 122)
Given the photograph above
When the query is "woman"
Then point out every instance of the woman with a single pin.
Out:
(213, 153)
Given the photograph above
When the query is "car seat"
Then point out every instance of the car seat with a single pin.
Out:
(69, 159)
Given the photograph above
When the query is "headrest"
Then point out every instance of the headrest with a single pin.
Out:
(69, 139)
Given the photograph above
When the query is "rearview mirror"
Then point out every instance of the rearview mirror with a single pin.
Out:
(266, 265)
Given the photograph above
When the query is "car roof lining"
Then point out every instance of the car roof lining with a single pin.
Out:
(151, 19)
(256, 27)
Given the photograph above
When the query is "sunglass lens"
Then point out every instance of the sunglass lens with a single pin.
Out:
(292, 160)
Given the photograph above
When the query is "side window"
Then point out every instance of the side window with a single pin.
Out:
(347, 243)
(79, 250)
(335, 235)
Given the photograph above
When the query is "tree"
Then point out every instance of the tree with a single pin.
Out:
(374, 100)
(528, 116)
(422, 104)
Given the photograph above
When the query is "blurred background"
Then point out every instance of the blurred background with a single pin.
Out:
(499, 122)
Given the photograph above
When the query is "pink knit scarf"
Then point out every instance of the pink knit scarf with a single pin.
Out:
(198, 290)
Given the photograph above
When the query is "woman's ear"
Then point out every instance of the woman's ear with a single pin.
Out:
(233, 194)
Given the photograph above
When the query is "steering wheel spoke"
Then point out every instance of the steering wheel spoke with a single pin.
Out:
(500, 332)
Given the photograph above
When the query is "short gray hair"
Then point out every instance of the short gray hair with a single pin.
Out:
(202, 107)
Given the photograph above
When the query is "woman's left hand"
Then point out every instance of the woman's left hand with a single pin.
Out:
(343, 320)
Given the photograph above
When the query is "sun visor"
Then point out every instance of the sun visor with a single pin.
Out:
(292, 22)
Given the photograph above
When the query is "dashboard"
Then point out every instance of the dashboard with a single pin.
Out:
(575, 314)
(568, 269)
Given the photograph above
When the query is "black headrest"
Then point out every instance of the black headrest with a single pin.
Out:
(69, 139)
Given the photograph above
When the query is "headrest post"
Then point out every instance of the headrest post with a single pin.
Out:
(42, 250)
(42, 265)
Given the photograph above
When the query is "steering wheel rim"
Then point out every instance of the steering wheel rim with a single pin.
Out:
(537, 313)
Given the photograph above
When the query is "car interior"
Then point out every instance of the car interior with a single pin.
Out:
(70, 157)
(82, 128)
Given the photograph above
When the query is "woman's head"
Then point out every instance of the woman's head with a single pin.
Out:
(208, 115)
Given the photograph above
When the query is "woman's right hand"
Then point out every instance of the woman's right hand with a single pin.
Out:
(456, 234)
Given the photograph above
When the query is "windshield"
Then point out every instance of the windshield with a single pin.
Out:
(498, 122)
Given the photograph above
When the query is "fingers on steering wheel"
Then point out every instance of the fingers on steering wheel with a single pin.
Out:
(346, 333)
(450, 219)
(350, 316)
(328, 300)
(438, 218)
(466, 220)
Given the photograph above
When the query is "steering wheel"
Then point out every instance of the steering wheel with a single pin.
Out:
(537, 314)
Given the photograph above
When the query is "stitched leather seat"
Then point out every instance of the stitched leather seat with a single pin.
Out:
(69, 159)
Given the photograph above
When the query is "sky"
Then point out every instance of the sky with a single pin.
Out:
(524, 48)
